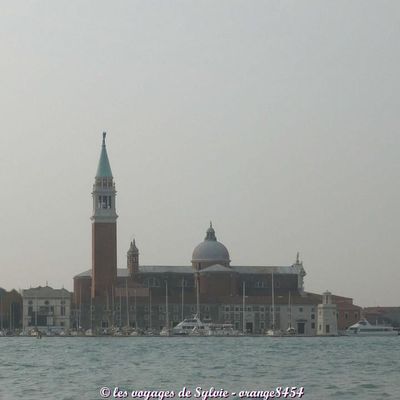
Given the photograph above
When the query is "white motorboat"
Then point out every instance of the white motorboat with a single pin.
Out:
(165, 331)
(364, 328)
(190, 326)
(273, 332)
(290, 331)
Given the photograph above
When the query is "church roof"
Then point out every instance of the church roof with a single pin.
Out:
(247, 269)
(187, 269)
(104, 169)
(159, 269)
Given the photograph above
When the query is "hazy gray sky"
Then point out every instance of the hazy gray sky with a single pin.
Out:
(277, 120)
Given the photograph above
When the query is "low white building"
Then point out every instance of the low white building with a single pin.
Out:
(46, 309)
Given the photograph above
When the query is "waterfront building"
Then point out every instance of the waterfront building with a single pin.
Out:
(213, 288)
(347, 313)
(46, 309)
(10, 310)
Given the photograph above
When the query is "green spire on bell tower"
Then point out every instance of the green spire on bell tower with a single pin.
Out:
(104, 190)
(104, 169)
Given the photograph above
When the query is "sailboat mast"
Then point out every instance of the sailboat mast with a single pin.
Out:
(183, 294)
(135, 311)
(290, 312)
(244, 307)
(80, 307)
(1, 311)
(127, 303)
(91, 313)
(150, 324)
(120, 308)
(198, 295)
(36, 313)
(166, 304)
(273, 302)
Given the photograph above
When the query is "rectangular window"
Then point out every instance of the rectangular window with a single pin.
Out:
(312, 325)
(312, 316)
(346, 315)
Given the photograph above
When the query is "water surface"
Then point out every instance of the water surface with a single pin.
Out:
(76, 368)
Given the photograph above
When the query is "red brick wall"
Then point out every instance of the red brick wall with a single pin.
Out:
(104, 258)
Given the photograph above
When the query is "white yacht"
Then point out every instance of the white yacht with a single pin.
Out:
(189, 326)
(364, 328)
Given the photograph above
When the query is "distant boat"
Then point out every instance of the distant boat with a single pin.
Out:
(364, 328)
(189, 326)
(165, 331)
(221, 330)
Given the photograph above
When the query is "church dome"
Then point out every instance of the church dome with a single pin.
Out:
(210, 250)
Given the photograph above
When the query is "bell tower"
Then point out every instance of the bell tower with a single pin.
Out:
(133, 259)
(104, 231)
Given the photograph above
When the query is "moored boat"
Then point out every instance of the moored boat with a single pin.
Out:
(364, 328)
(189, 326)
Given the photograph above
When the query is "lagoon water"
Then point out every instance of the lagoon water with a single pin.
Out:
(77, 368)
